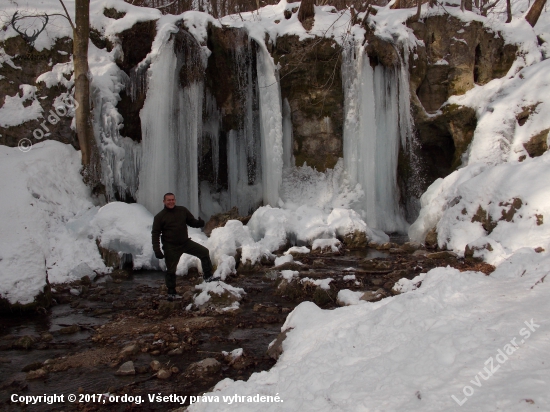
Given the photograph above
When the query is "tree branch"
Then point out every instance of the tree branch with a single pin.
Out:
(67, 15)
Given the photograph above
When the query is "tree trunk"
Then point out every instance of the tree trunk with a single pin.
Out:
(534, 12)
(508, 11)
(416, 17)
(466, 5)
(396, 5)
(307, 10)
(84, 128)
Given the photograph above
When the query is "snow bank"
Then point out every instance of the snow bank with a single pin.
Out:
(44, 206)
(490, 208)
(332, 244)
(307, 225)
(496, 203)
(498, 136)
(126, 228)
(417, 350)
(297, 249)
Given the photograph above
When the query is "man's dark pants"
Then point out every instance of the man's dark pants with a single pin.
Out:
(172, 254)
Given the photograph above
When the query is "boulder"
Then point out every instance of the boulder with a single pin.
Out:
(444, 255)
(204, 368)
(129, 350)
(164, 374)
(371, 296)
(313, 97)
(431, 238)
(411, 247)
(37, 374)
(127, 368)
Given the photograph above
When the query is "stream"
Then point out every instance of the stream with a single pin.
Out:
(78, 345)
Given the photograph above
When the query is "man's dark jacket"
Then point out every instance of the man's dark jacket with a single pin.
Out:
(173, 225)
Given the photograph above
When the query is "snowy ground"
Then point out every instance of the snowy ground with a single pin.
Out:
(483, 340)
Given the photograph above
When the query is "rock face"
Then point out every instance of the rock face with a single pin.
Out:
(28, 64)
(136, 44)
(311, 89)
(537, 145)
(453, 58)
(450, 60)
(220, 219)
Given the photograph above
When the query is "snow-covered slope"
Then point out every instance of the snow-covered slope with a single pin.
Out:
(460, 339)
(43, 204)
(474, 205)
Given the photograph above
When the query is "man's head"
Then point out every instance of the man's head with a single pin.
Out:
(169, 200)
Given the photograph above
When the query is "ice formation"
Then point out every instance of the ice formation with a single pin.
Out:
(373, 131)
(171, 124)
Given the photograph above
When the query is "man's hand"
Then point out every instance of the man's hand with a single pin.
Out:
(201, 222)
(159, 254)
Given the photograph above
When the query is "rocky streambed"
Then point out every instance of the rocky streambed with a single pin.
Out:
(118, 335)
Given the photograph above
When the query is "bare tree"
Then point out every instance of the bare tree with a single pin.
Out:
(307, 10)
(486, 5)
(534, 12)
(416, 17)
(396, 5)
(508, 11)
(466, 5)
(84, 128)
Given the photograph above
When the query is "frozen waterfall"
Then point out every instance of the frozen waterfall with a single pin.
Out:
(271, 124)
(179, 122)
(171, 121)
(376, 123)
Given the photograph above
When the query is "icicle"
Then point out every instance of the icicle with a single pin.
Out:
(137, 81)
(120, 156)
(287, 135)
(409, 141)
(242, 193)
(211, 130)
(271, 127)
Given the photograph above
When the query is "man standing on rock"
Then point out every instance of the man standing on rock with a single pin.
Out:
(171, 224)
